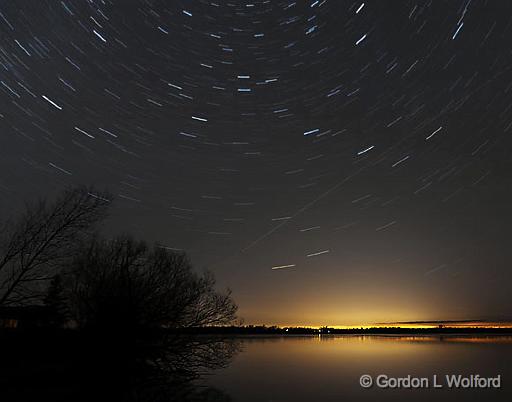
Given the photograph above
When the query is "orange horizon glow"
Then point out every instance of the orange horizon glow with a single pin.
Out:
(411, 325)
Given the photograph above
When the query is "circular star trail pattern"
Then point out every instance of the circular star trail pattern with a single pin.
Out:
(340, 147)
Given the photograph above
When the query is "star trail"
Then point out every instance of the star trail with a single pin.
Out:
(316, 155)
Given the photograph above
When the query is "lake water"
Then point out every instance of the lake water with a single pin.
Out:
(328, 368)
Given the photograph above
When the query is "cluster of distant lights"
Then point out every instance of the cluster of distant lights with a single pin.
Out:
(419, 325)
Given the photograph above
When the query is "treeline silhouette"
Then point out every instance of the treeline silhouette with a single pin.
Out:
(83, 316)
(283, 331)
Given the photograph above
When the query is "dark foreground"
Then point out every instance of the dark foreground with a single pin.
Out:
(66, 365)
(205, 365)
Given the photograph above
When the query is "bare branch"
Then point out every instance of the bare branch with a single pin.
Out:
(45, 235)
(122, 283)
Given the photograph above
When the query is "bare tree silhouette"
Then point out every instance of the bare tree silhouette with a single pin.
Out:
(37, 244)
(135, 307)
(124, 284)
(139, 301)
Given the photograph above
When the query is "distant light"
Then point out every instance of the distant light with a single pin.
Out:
(51, 102)
(365, 150)
(283, 266)
(318, 253)
(361, 39)
(316, 130)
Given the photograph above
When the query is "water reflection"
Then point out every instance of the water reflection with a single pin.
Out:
(247, 368)
(493, 339)
(328, 368)
(101, 367)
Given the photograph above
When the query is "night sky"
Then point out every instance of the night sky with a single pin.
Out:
(333, 162)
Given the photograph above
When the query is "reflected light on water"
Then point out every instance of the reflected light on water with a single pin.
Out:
(421, 338)
(302, 368)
